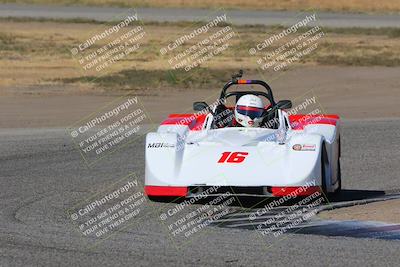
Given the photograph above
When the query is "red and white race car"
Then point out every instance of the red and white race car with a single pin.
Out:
(206, 152)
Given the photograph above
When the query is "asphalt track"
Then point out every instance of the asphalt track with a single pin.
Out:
(238, 17)
(42, 175)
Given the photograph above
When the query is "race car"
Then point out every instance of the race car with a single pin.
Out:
(244, 148)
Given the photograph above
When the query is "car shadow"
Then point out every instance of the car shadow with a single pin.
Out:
(344, 196)
(354, 194)
(258, 202)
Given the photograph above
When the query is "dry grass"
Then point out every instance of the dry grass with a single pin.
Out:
(337, 5)
(39, 52)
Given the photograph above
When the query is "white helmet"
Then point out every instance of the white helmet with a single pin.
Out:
(248, 111)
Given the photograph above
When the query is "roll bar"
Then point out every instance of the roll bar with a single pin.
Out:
(235, 80)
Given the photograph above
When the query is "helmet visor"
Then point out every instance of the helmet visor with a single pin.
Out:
(252, 112)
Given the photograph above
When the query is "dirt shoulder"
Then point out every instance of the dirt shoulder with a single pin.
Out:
(385, 211)
(41, 85)
(39, 52)
(351, 92)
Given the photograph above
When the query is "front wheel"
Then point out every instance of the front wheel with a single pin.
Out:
(324, 168)
(339, 179)
(339, 171)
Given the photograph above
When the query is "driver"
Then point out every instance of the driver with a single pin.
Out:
(249, 110)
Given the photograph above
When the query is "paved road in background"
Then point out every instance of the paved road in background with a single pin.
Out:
(238, 17)
(42, 175)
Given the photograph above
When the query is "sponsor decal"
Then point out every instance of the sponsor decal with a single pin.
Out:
(297, 147)
(159, 145)
(304, 147)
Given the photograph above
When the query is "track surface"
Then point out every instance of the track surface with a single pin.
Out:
(42, 175)
(239, 17)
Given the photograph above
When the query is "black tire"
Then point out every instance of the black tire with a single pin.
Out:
(339, 179)
(339, 170)
(324, 161)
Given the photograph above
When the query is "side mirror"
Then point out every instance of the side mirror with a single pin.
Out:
(199, 106)
(284, 104)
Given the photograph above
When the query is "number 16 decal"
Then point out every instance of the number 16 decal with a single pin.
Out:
(232, 157)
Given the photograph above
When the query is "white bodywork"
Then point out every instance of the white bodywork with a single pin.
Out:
(177, 156)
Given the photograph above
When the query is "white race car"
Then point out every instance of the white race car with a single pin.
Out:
(208, 153)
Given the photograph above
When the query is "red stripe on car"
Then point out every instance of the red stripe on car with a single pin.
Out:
(195, 122)
(299, 121)
(166, 191)
(298, 191)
